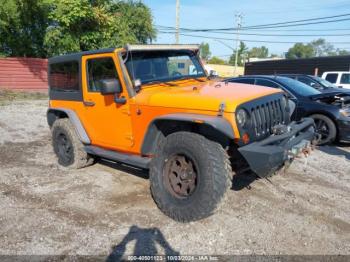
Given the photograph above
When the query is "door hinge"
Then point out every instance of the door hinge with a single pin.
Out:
(130, 138)
(126, 111)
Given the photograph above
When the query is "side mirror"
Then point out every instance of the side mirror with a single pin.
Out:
(110, 86)
(213, 74)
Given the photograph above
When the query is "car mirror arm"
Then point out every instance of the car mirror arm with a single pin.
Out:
(119, 100)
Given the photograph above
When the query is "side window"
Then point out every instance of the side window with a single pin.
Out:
(332, 78)
(100, 69)
(345, 79)
(244, 81)
(268, 83)
(64, 76)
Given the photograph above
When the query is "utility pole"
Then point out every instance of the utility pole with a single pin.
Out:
(238, 18)
(177, 39)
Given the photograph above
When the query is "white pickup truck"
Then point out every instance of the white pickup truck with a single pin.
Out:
(339, 78)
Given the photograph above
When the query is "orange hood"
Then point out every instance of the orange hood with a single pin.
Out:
(202, 96)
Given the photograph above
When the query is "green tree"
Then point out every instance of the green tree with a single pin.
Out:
(242, 55)
(259, 52)
(23, 26)
(217, 61)
(322, 48)
(41, 28)
(204, 51)
(299, 50)
(85, 24)
(342, 52)
(315, 48)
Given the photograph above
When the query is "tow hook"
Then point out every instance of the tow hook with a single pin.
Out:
(307, 151)
(304, 147)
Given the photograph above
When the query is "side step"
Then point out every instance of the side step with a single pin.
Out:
(141, 162)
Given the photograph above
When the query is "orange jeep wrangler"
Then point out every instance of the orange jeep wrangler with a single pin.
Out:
(155, 107)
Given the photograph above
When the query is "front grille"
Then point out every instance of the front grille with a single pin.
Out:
(265, 113)
(265, 116)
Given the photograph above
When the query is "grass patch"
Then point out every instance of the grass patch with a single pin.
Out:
(7, 96)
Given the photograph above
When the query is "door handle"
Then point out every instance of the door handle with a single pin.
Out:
(88, 103)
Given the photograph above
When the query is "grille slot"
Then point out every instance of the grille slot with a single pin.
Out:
(265, 116)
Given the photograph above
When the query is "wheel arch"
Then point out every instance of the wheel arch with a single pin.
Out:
(56, 113)
(214, 128)
(325, 113)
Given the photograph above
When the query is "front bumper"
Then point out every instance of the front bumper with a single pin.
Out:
(267, 156)
(344, 130)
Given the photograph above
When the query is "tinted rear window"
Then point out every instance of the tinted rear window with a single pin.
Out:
(332, 78)
(268, 83)
(64, 76)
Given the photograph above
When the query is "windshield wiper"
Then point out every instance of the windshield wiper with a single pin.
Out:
(190, 77)
(160, 82)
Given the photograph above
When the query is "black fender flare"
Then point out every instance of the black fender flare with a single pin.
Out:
(219, 124)
(53, 113)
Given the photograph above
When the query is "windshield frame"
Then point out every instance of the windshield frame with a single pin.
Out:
(192, 56)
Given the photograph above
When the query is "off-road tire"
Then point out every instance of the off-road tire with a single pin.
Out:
(332, 129)
(77, 157)
(214, 176)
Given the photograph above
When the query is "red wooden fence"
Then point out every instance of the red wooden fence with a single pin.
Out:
(29, 74)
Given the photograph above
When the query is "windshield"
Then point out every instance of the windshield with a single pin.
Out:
(298, 88)
(163, 66)
(324, 82)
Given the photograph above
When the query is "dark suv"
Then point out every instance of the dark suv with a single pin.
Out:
(330, 110)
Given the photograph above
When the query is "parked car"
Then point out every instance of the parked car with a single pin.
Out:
(340, 79)
(315, 82)
(330, 110)
(154, 107)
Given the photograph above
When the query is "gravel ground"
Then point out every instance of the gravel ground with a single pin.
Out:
(107, 210)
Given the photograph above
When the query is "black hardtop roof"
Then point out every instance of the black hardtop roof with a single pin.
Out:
(77, 56)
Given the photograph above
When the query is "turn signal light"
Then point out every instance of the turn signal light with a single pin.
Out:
(245, 138)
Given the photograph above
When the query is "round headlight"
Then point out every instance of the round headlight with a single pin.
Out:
(242, 117)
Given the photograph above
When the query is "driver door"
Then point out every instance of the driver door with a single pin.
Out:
(108, 123)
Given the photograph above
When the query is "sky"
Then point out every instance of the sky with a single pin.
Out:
(221, 14)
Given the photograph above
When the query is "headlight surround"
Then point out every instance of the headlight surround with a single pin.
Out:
(345, 112)
(242, 117)
(284, 102)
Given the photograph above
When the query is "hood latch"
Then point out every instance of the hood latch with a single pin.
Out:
(222, 107)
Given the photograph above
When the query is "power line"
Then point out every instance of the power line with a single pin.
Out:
(303, 20)
(273, 25)
(297, 30)
(247, 40)
(280, 30)
(282, 35)
(293, 25)
(256, 28)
